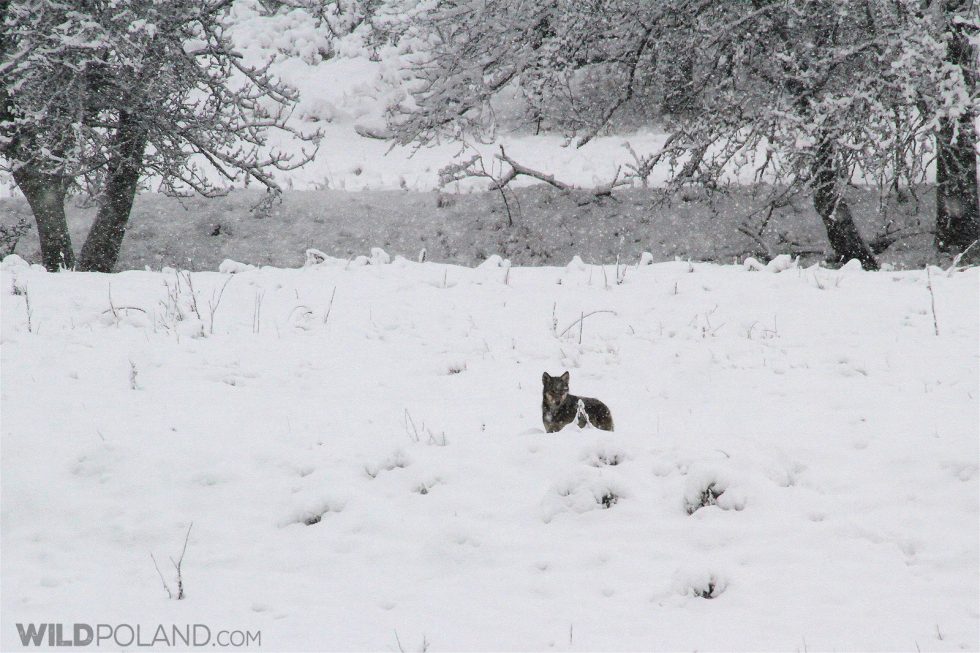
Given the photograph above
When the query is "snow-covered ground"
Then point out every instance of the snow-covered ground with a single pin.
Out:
(359, 448)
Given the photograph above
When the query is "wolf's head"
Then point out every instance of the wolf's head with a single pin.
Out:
(555, 388)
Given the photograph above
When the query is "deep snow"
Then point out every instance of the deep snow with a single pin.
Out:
(839, 430)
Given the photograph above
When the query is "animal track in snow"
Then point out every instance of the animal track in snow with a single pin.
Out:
(313, 516)
(397, 460)
(709, 487)
(604, 455)
(580, 495)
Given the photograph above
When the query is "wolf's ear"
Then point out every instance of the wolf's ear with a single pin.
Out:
(564, 377)
(545, 378)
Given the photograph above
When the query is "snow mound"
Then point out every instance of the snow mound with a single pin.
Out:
(780, 263)
(379, 256)
(229, 266)
(13, 262)
(494, 261)
(316, 257)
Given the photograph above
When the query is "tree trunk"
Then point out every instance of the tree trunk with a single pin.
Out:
(101, 249)
(957, 199)
(828, 200)
(46, 195)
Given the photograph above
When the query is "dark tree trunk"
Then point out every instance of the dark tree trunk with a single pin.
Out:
(957, 200)
(101, 249)
(828, 200)
(46, 195)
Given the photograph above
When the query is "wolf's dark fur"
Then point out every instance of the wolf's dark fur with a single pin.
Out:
(559, 409)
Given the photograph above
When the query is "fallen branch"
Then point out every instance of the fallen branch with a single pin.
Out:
(758, 239)
(795, 248)
(519, 169)
(459, 171)
(476, 167)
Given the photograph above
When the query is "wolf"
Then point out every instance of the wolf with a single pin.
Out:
(559, 409)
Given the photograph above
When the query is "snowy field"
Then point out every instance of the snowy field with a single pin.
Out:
(360, 450)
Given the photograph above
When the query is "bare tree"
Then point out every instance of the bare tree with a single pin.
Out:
(155, 93)
(805, 95)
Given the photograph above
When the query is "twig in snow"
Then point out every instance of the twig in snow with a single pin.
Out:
(585, 315)
(932, 300)
(214, 303)
(112, 307)
(191, 291)
(326, 316)
(114, 310)
(27, 307)
(414, 433)
(179, 562)
(166, 587)
(178, 565)
(773, 332)
(257, 312)
(423, 647)
(620, 275)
